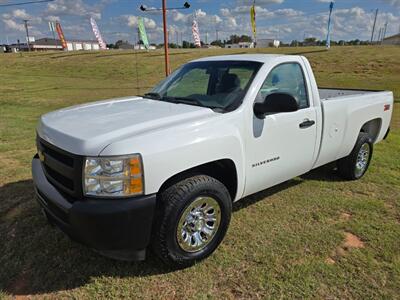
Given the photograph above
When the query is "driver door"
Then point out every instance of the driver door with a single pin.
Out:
(282, 145)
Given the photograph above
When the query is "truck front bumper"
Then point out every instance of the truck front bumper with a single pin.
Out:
(117, 228)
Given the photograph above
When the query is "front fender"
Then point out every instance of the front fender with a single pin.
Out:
(173, 150)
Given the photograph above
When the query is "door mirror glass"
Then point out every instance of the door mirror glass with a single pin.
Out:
(275, 103)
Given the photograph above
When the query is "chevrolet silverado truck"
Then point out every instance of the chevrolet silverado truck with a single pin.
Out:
(161, 171)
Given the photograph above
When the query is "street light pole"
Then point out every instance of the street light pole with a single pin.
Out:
(166, 49)
(164, 12)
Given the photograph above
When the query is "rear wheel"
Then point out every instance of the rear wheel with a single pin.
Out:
(354, 166)
(192, 219)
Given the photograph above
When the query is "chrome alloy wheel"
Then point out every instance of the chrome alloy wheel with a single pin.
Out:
(362, 159)
(198, 224)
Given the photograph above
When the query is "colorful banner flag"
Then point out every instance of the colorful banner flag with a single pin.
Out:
(328, 37)
(253, 20)
(52, 26)
(196, 34)
(142, 33)
(97, 33)
(61, 36)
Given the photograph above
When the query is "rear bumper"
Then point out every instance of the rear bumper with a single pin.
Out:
(118, 228)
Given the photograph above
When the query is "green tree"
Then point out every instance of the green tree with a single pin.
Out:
(217, 43)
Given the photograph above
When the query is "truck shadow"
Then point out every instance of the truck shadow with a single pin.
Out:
(324, 173)
(36, 258)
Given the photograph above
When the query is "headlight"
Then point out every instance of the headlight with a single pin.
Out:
(113, 176)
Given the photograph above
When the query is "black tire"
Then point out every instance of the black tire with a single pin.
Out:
(347, 165)
(173, 202)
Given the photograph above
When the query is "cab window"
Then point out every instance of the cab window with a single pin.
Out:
(286, 78)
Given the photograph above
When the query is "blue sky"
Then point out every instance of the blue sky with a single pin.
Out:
(283, 19)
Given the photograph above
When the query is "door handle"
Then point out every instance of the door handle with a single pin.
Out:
(306, 124)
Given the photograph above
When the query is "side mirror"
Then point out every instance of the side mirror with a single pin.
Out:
(275, 103)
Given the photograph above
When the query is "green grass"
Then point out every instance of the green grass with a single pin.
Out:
(279, 240)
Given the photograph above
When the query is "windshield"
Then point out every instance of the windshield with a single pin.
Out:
(214, 84)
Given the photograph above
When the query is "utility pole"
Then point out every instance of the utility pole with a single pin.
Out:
(166, 50)
(216, 34)
(379, 34)
(27, 35)
(373, 28)
(384, 31)
(164, 9)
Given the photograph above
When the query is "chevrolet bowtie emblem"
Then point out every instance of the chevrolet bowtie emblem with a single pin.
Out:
(41, 155)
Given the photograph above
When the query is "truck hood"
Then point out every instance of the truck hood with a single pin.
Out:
(88, 129)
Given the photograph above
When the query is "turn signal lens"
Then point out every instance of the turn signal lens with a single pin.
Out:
(136, 185)
(135, 166)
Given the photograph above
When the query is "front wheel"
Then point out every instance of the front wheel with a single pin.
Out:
(355, 165)
(192, 219)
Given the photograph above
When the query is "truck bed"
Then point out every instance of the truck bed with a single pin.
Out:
(332, 93)
(345, 112)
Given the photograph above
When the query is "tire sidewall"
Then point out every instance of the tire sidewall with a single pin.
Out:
(205, 190)
(364, 139)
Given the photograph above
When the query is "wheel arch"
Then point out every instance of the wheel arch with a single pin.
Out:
(224, 170)
(372, 128)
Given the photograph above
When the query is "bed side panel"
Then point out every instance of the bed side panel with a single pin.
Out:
(344, 118)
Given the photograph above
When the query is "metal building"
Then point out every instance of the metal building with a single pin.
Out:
(392, 40)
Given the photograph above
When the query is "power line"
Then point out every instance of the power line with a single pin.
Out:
(25, 3)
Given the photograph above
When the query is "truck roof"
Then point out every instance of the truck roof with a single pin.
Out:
(263, 58)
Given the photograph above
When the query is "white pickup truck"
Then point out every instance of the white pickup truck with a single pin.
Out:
(161, 171)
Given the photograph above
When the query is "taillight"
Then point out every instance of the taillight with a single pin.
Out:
(386, 107)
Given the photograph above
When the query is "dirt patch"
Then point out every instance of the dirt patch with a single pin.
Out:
(344, 216)
(330, 261)
(351, 241)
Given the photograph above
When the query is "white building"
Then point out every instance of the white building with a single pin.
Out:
(240, 45)
(265, 43)
(46, 44)
(77, 45)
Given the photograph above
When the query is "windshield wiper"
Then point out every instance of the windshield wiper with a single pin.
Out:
(153, 95)
(184, 100)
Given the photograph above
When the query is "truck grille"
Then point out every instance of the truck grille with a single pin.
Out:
(62, 169)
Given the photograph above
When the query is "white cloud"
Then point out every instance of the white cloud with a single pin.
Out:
(11, 24)
(53, 18)
(13, 21)
(76, 8)
(132, 21)
(393, 2)
(288, 12)
(260, 2)
(20, 14)
(260, 12)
